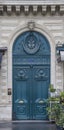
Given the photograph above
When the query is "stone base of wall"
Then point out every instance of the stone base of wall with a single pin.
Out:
(5, 112)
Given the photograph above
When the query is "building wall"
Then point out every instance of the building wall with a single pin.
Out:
(10, 27)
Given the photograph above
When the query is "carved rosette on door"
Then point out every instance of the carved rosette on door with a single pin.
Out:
(31, 43)
(40, 75)
(21, 75)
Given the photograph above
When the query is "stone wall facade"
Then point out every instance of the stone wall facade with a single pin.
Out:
(11, 27)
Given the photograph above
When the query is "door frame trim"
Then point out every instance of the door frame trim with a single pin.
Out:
(43, 30)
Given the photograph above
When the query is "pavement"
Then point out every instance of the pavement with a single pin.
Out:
(27, 126)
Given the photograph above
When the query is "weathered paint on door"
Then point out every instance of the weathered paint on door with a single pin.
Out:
(31, 76)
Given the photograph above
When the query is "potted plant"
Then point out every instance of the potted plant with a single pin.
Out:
(52, 90)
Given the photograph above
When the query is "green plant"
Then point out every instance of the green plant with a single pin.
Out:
(55, 99)
(62, 97)
(53, 108)
(51, 88)
(60, 118)
(51, 115)
(56, 113)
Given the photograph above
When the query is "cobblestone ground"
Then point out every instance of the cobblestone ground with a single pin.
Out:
(27, 126)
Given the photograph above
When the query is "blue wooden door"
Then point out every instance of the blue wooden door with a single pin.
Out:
(31, 76)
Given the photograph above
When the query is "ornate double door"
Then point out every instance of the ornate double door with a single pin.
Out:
(30, 92)
(31, 76)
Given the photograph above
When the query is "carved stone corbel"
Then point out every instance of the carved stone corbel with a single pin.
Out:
(18, 9)
(61, 9)
(53, 9)
(31, 25)
(1, 9)
(35, 9)
(44, 9)
(9, 9)
(26, 9)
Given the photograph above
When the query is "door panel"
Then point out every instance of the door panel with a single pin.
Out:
(31, 91)
(21, 92)
(40, 91)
